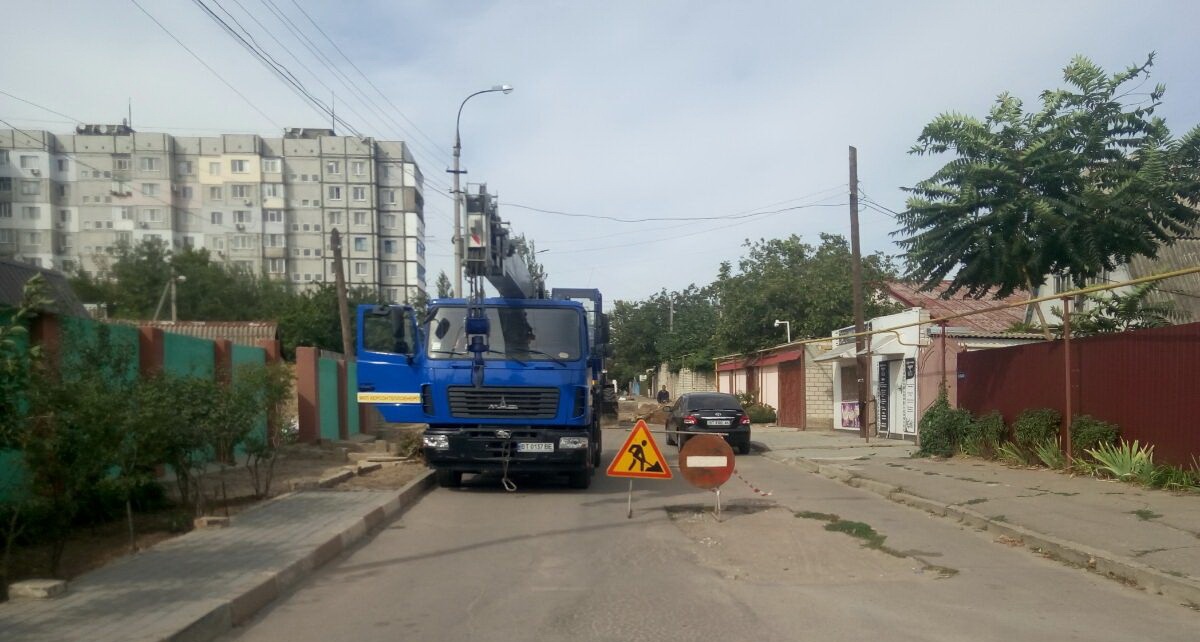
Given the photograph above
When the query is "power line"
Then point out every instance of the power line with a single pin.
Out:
(744, 215)
(206, 65)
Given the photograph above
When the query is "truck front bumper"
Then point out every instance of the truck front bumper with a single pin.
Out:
(522, 449)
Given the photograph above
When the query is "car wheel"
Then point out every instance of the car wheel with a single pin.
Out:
(744, 447)
(670, 439)
(449, 478)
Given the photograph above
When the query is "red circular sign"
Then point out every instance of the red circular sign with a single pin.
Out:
(706, 461)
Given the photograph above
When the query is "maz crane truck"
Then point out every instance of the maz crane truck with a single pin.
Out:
(507, 385)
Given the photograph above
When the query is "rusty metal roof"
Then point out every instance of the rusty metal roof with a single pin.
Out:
(14, 275)
(995, 321)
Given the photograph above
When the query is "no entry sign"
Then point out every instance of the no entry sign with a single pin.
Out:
(706, 461)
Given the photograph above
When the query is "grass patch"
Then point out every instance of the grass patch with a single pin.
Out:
(860, 530)
(1145, 514)
(824, 517)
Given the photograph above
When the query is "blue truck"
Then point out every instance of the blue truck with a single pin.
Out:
(507, 385)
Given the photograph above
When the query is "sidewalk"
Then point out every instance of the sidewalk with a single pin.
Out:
(199, 585)
(1148, 537)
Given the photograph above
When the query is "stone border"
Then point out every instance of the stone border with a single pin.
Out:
(1118, 567)
(237, 609)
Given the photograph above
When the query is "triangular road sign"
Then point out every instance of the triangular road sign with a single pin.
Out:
(639, 457)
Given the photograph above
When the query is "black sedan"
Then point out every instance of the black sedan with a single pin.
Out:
(709, 412)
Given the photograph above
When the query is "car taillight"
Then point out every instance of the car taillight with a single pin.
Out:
(745, 420)
(690, 420)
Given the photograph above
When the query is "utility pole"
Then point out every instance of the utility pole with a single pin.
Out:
(862, 362)
(339, 279)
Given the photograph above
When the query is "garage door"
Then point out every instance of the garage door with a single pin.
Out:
(768, 386)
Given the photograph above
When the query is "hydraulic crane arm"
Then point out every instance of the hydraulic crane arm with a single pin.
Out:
(491, 253)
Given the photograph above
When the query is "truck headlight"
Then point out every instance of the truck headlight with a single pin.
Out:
(437, 442)
(572, 443)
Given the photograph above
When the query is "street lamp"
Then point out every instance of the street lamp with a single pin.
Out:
(458, 244)
(786, 325)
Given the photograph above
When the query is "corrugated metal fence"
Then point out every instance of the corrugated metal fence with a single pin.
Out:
(1146, 381)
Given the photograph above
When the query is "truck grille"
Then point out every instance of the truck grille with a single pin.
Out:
(530, 403)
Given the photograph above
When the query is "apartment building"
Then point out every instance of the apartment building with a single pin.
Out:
(265, 205)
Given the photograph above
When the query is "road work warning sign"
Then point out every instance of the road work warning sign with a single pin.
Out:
(639, 457)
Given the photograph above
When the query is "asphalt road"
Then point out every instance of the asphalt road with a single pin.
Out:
(549, 563)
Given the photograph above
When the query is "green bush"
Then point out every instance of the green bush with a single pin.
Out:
(761, 414)
(942, 428)
(1087, 433)
(984, 435)
(1035, 426)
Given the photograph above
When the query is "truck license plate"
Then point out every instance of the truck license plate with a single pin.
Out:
(719, 422)
(535, 447)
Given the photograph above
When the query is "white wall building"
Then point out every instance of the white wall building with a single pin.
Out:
(266, 205)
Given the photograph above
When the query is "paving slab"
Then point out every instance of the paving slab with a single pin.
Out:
(196, 586)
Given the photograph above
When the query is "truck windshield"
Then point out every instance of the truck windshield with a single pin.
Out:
(523, 334)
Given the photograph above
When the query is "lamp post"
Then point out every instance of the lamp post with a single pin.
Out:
(787, 325)
(458, 244)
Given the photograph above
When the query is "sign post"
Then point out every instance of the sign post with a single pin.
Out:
(706, 461)
(639, 457)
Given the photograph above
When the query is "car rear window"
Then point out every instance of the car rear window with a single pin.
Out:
(713, 402)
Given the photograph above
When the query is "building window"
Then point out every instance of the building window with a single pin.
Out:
(389, 247)
(242, 242)
(389, 221)
(149, 164)
(295, 251)
(185, 191)
(3, 157)
(214, 168)
(390, 196)
(31, 188)
(149, 189)
(295, 276)
(359, 193)
(31, 213)
(274, 240)
(189, 242)
(360, 244)
(8, 236)
(121, 163)
(5, 210)
(272, 190)
(276, 266)
(152, 215)
(5, 184)
(307, 252)
(126, 213)
(360, 168)
(333, 167)
(64, 216)
(273, 216)
(335, 218)
(335, 193)
(215, 193)
(391, 269)
(33, 238)
(183, 168)
(272, 165)
(360, 218)
(239, 166)
(239, 191)
(241, 216)
(360, 268)
(317, 252)
(29, 162)
(63, 165)
(216, 217)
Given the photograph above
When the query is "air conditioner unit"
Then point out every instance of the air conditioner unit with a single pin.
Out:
(60, 225)
(35, 172)
(249, 202)
(143, 225)
(241, 227)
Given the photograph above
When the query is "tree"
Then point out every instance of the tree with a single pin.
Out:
(790, 280)
(528, 252)
(1076, 188)
(1109, 312)
(445, 289)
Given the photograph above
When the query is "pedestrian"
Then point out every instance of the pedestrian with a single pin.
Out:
(663, 396)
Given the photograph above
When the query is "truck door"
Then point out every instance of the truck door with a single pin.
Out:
(390, 362)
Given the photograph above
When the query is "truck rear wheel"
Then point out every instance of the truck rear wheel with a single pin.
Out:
(449, 478)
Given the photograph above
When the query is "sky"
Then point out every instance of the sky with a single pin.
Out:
(666, 110)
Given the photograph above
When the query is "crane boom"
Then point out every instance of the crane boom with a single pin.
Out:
(492, 254)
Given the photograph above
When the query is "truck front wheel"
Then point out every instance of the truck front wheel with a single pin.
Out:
(449, 478)
(580, 479)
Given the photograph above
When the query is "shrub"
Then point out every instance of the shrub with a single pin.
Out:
(942, 427)
(1050, 453)
(984, 435)
(1035, 426)
(761, 414)
(1125, 461)
(1087, 433)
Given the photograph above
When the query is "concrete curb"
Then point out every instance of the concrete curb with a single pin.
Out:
(1118, 567)
(228, 613)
